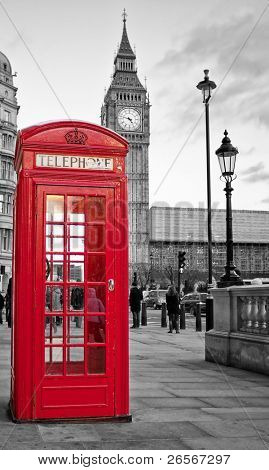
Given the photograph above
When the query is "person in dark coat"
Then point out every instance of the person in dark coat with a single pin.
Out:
(9, 303)
(172, 302)
(135, 303)
(2, 303)
(77, 302)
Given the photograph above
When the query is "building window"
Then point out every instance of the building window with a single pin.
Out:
(2, 203)
(7, 141)
(5, 203)
(5, 239)
(4, 141)
(7, 116)
(9, 203)
(6, 171)
(5, 66)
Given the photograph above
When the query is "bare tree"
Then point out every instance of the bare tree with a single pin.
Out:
(143, 276)
(169, 273)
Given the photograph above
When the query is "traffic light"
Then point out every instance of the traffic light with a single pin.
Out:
(181, 259)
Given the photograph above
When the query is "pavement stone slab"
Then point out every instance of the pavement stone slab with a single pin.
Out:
(236, 373)
(165, 415)
(23, 433)
(229, 428)
(147, 386)
(68, 432)
(262, 425)
(151, 393)
(233, 402)
(147, 431)
(239, 412)
(192, 378)
(152, 444)
(41, 445)
(198, 385)
(264, 391)
(237, 443)
(175, 403)
(214, 393)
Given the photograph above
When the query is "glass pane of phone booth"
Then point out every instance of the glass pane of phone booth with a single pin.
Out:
(75, 285)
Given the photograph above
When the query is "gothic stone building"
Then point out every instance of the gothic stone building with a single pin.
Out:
(126, 111)
(8, 129)
(176, 229)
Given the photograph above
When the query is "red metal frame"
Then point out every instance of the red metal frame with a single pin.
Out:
(34, 394)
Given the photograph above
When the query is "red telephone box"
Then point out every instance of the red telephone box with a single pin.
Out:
(70, 274)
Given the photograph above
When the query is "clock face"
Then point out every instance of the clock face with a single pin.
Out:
(129, 119)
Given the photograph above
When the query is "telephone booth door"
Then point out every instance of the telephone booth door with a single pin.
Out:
(74, 313)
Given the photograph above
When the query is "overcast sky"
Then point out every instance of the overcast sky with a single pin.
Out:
(63, 53)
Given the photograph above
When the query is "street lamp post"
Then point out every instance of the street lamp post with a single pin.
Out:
(151, 271)
(206, 86)
(227, 158)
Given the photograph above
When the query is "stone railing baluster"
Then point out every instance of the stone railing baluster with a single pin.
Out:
(254, 314)
(261, 314)
(266, 316)
(245, 309)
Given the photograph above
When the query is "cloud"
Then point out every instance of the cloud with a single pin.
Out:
(265, 200)
(244, 93)
(253, 169)
(263, 176)
(248, 152)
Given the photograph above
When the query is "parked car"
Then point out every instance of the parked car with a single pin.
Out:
(190, 301)
(155, 298)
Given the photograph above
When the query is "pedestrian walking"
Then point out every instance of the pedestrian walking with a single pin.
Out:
(135, 303)
(2, 303)
(172, 302)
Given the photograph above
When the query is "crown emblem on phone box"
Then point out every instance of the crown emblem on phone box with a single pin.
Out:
(76, 137)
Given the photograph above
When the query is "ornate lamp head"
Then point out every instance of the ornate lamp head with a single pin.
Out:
(227, 158)
(206, 86)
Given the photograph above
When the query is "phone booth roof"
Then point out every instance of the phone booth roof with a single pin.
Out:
(68, 136)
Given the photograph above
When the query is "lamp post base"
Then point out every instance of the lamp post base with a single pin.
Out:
(230, 279)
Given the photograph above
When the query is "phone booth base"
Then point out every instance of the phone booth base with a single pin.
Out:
(70, 355)
(102, 419)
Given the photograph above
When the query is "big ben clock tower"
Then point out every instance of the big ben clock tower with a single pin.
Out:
(126, 111)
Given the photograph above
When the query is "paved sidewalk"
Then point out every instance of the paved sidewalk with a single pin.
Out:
(178, 401)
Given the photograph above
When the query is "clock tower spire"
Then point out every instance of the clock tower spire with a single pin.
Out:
(126, 111)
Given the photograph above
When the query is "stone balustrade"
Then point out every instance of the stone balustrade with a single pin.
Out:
(240, 337)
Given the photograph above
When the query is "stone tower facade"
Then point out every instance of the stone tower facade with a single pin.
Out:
(126, 111)
(8, 130)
